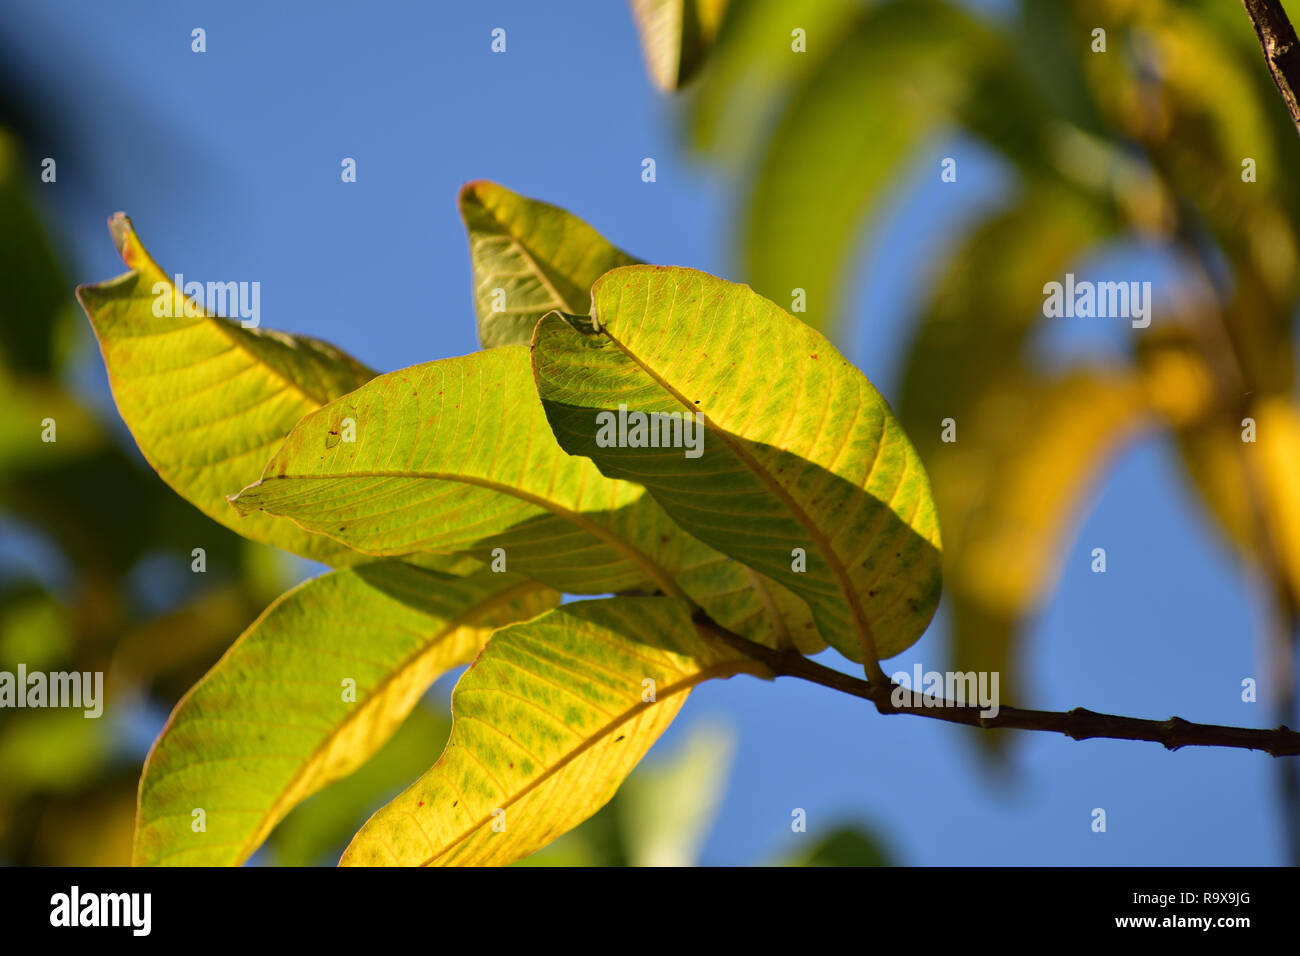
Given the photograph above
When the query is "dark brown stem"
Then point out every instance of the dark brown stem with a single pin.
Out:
(1079, 723)
(1281, 50)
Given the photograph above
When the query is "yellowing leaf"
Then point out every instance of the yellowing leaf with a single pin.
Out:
(801, 458)
(456, 456)
(529, 257)
(676, 36)
(306, 695)
(1018, 475)
(207, 399)
(546, 724)
(1227, 470)
(1026, 448)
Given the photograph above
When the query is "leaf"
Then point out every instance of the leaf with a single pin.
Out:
(1009, 490)
(660, 815)
(317, 830)
(269, 725)
(553, 258)
(206, 399)
(531, 255)
(751, 69)
(456, 456)
(665, 810)
(676, 36)
(1227, 470)
(844, 845)
(839, 147)
(1028, 446)
(34, 308)
(545, 726)
(805, 455)
(752, 604)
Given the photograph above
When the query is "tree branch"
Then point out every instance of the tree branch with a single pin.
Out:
(1281, 50)
(1079, 723)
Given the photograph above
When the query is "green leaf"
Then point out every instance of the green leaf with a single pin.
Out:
(802, 455)
(207, 399)
(529, 257)
(271, 723)
(676, 36)
(456, 456)
(546, 724)
(751, 70)
(839, 149)
(844, 845)
(34, 309)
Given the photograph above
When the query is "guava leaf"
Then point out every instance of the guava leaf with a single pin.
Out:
(456, 457)
(528, 257)
(206, 399)
(272, 722)
(839, 147)
(801, 458)
(676, 36)
(546, 724)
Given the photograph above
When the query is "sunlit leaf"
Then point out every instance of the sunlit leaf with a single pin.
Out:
(207, 399)
(661, 814)
(801, 461)
(316, 831)
(676, 36)
(1024, 447)
(529, 257)
(1248, 477)
(545, 725)
(307, 694)
(456, 456)
(666, 809)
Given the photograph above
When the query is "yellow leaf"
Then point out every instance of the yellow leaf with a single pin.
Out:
(546, 724)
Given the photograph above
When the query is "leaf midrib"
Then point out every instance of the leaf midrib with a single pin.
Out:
(654, 571)
(822, 543)
(527, 255)
(435, 642)
(725, 668)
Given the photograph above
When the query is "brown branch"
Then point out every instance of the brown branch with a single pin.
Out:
(1281, 50)
(1079, 723)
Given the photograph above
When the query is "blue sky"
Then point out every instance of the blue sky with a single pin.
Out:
(229, 164)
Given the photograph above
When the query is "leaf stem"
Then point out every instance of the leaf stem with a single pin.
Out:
(1079, 723)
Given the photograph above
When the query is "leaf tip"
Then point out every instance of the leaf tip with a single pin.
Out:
(245, 500)
(475, 195)
(123, 233)
(128, 244)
